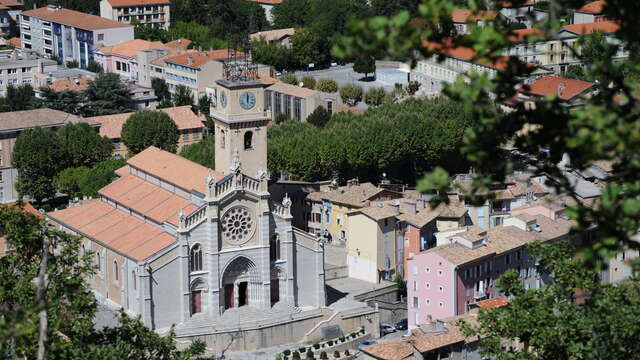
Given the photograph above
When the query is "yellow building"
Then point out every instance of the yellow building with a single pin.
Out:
(329, 208)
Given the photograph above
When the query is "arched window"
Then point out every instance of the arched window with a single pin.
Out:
(134, 280)
(222, 139)
(195, 258)
(274, 247)
(115, 270)
(248, 140)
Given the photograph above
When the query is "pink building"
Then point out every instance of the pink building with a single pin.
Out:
(122, 59)
(444, 281)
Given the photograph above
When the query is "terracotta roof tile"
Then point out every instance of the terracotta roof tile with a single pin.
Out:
(71, 84)
(131, 48)
(10, 3)
(428, 342)
(115, 229)
(396, 349)
(15, 42)
(196, 59)
(25, 206)
(354, 196)
(448, 48)
(181, 43)
(551, 85)
(463, 16)
(493, 303)
(606, 27)
(174, 169)
(375, 212)
(520, 35)
(118, 3)
(510, 4)
(74, 18)
(181, 115)
(595, 7)
(38, 117)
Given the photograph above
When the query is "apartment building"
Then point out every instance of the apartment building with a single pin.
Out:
(23, 67)
(523, 12)
(296, 102)
(156, 13)
(464, 19)
(11, 124)
(571, 92)
(446, 280)
(590, 13)
(70, 35)
(189, 125)
(122, 58)
(9, 12)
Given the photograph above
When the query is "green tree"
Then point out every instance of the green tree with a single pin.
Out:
(389, 8)
(575, 72)
(327, 85)
(161, 90)
(412, 87)
(37, 156)
(319, 117)
(281, 118)
(594, 48)
(374, 96)
(73, 64)
(272, 54)
(107, 94)
(20, 98)
(401, 284)
(202, 152)
(99, 176)
(351, 94)
(201, 35)
(68, 100)
(289, 78)
(204, 104)
(183, 96)
(49, 308)
(68, 180)
(571, 329)
(365, 65)
(308, 48)
(309, 82)
(82, 145)
(293, 13)
(150, 128)
(95, 67)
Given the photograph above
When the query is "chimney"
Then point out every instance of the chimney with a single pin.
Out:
(395, 207)
(189, 60)
(421, 204)
(561, 87)
(409, 207)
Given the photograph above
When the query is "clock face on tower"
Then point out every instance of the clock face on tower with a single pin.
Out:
(223, 99)
(237, 225)
(247, 100)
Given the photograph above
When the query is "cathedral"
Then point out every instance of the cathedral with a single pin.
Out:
(180, 244)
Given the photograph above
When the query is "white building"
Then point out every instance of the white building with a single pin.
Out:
(156, 13)
(70, 35)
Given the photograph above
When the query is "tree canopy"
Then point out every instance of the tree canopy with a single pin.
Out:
(403, 140)
(202, 152)
(150, 128)
(82, 145)
(37, 156)
(106, 95)
(182, 96)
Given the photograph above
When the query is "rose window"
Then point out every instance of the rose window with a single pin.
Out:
(237, 225)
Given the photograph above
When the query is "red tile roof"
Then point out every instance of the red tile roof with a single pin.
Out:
(74, 18)
(73, 84)
(181, 115)
(521, 35)
(10, 3)
(510, 4)
(131, 48)
(25, 206)
(196, 59)
(493, 303)
(114, 229)
(15, 42)
(550, 85)
(446, 47)
(174, 169)
(595, 7)
(463, 16)
(606, 27)
(118, 3)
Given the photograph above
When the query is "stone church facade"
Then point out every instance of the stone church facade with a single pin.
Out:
(181, 244)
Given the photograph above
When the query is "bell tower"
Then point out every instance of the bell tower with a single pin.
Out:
(241, 116)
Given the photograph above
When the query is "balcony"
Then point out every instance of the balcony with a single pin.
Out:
(241, 117)
(480, 295)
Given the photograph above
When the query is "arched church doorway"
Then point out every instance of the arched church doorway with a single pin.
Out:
(241, 283)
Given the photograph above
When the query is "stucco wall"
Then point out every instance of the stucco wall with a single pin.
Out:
(430, 272)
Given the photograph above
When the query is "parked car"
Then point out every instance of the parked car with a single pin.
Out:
(386, 329)
(402, 325)
(367, 343)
